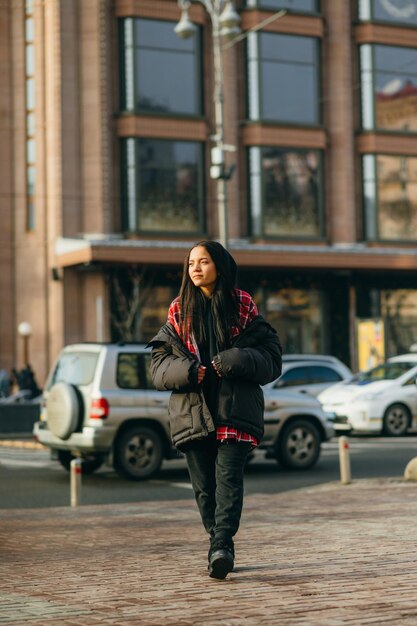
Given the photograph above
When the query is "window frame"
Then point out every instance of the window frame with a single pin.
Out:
(263, 5)
(363, 87)
(371, 222)
(367, 9)
(201, 192)
(256, 91)
(321, 206)
(198, 74)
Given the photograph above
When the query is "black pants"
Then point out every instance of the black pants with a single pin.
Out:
(216, 472)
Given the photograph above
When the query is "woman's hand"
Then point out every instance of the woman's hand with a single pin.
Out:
(201, 372)
(216, 370)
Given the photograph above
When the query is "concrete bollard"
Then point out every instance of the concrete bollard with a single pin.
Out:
(76, 474)
(344, 460)
(410, 472)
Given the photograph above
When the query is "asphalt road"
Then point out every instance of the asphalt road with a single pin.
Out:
(29, 478)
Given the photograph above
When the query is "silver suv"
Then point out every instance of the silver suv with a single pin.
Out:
(99, 403)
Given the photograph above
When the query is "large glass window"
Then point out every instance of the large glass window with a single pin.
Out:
(298, 315)
(399, 312)
(390, 197)
(283, 78)
(162, 186)
(160, 72)
(395, 11)
(285, 192)
(303, 6)
(389, 87)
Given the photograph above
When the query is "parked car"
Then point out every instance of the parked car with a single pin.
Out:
(295, 427)
(99, 403)
(380, 400)
(316, 358)
(310, 373)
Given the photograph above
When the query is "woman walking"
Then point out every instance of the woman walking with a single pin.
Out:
(213, 353)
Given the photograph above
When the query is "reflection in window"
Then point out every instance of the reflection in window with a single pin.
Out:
(294, 377)
(283, 78)
(298, 316)
(160, 72)
(395, 11)
(154, 309)
(304, 6)
(399, 312)
(130, 372)
(75, 368)
(390, 197)
(389, 87)
(162, 185)
(285, 192)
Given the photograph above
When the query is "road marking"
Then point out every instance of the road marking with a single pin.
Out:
(168, 483)
(23, 463)
(181, 485)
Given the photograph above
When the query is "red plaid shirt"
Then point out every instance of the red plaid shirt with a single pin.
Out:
(247, 312)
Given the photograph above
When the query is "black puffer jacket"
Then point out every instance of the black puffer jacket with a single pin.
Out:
(253, 360)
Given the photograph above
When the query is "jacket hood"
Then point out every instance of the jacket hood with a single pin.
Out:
(231, 264)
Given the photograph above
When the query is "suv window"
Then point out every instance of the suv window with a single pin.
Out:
(131, 371)
(75, 368)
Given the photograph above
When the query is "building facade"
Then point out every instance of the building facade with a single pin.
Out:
(106, 128)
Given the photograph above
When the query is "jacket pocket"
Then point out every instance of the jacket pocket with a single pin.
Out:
(186, 417)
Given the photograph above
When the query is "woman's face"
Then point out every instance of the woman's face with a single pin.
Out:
(202, 270)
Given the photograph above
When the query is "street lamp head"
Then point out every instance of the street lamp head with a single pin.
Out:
(229, 18)
(230, 33)
(185, 28)
(24, 329)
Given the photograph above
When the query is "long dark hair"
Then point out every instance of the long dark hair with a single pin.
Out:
(223, 303)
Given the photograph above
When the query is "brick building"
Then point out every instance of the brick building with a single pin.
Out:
(106, 118)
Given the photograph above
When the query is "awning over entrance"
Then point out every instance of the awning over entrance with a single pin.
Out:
(80, 251)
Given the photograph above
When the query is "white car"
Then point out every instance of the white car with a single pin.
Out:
(380, 400)
(310, 374)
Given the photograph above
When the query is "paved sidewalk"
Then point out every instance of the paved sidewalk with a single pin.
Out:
(327, 556)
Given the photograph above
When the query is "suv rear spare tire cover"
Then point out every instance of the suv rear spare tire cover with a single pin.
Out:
(63, 410)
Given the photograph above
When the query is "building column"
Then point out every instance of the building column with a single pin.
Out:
(7, 322)
(338, 110)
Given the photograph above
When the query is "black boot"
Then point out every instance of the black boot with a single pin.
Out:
(221, 558)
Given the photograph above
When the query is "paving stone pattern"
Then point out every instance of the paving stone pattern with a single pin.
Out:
(331, 555)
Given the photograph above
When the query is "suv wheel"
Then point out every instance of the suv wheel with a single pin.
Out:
(138, 453)
(89, 464)
(396, 420)
(299, 445)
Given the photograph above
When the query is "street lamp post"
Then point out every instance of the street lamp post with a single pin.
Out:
(225, 24)
(25, 330)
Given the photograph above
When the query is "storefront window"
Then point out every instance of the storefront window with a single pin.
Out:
(285, 192)
(389, 88)
(283, 78)
(395, 11)
(160, 71)
(399, 312)
(162, 186)
(390, 197)
(298, 317)
(139, 301)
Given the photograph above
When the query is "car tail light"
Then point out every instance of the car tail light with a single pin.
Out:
(99, 408)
